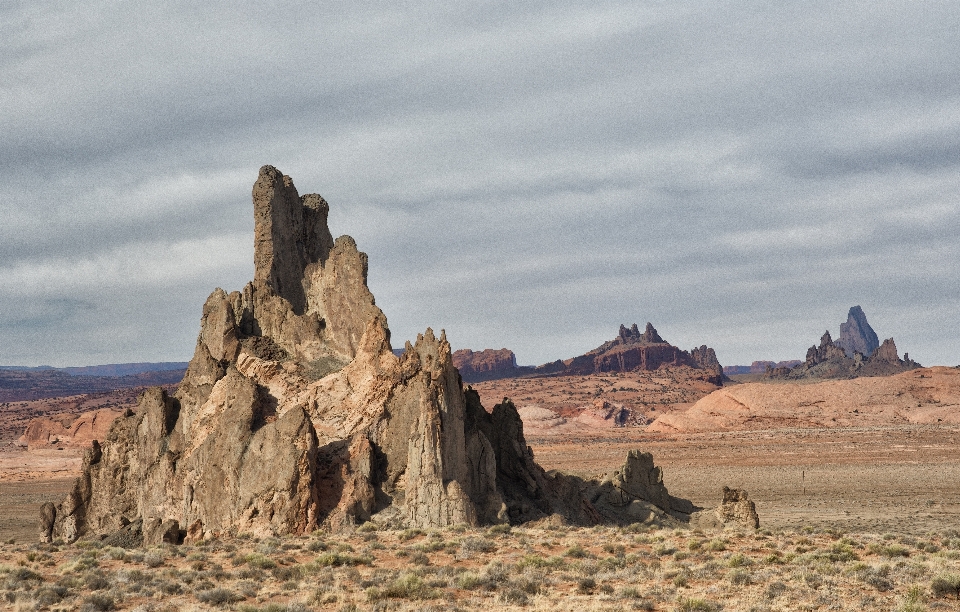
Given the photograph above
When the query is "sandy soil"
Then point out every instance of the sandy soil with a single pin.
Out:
(902, 479)
(647, 393)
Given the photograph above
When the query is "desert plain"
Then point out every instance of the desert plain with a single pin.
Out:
(856, 482)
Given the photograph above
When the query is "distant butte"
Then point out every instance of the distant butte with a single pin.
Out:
(632, 350)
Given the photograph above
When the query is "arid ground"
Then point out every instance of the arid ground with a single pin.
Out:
(851, 518)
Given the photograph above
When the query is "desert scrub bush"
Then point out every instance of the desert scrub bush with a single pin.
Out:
(576, 552)
(153, 558)
(469, 581)
(406, 586)
(740, 577)
(513, 596)
(717, 545)
(841, 552)
(537, 561)
(774, 590)
(739, 560)
(663, 550)
(419, 558)
(97, 603)
(501, 529)
(409, 534)
(696, 605)
(875, 577)
(912, 602)
(287, 572)
(96, 581)
(585, 586)
(259, 561)
(472, 544)
(333, 559)
(317, 546)
(927, 547)
(946, 585)
(20, 577)
(50, 595)
(889, 550)
(218, 596)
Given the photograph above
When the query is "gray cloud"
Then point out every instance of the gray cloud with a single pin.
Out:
(523, 175)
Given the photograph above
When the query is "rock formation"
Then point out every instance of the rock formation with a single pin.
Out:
(69, 430)
(735, 508)
(829, 360)
(636, 350)
(856, 335)
(488, 364)
(760, 367)
(295, 413)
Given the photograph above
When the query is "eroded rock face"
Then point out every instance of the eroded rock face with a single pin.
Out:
(856, 335)
(68, 431)
(736, 510)
(295, 414)
(831, 360)
(487, 364)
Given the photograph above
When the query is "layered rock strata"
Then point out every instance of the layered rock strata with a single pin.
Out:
(295, 414)
(488, 364)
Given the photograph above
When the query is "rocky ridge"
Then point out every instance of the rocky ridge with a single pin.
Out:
(631, 350)
(296, 414)
(844, 359)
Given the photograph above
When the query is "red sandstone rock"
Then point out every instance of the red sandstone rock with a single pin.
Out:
(68, 431)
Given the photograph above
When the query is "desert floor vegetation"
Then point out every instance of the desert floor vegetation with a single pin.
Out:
(500, 568)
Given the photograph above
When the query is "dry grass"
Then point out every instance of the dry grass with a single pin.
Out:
(602, 568)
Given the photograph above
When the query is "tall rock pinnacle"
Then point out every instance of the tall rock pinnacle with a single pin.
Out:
(290, 233)
(295, 414)
(856, 335)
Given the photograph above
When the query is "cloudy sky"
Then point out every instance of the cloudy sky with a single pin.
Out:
(526, 175)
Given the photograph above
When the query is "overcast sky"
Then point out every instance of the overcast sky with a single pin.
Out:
(525, 175)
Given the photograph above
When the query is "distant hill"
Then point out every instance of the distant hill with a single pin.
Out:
(34, 383)
(630, 350)
(759, 367)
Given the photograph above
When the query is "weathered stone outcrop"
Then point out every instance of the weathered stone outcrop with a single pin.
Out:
(488, 364)
(844, 359)
(636, 350)
(295, 413)
(830, 360)
(69, 430)
(736, 510)
(856, 335)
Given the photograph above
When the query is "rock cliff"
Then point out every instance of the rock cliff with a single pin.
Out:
(488, 364)
(295, 413)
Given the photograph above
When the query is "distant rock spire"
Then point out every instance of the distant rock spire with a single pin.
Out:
(856, 335)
